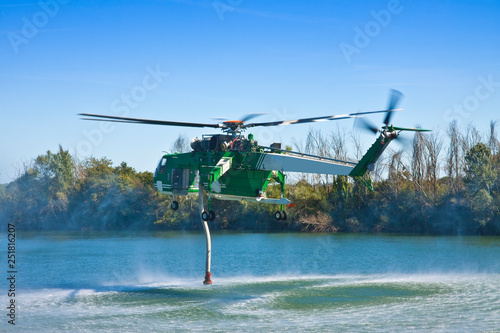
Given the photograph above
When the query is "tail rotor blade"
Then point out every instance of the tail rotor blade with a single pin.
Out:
(366, 125)
(394, 100)
(403, 141)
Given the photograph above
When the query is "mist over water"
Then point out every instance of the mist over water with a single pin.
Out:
(273, 282)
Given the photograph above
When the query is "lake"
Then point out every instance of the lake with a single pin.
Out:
(152, 282)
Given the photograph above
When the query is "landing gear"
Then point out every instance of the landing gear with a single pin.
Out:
(174, 205)
(280, 215)
(208, 216)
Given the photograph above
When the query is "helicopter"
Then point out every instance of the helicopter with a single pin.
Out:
(232, 166)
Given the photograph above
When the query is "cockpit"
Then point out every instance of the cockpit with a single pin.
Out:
(162, 166)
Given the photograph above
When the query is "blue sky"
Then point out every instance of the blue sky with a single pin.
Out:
(195, 60)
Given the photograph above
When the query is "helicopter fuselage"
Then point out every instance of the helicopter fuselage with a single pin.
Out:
(229, 169)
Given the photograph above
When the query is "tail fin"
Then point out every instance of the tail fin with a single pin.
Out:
(368, 161)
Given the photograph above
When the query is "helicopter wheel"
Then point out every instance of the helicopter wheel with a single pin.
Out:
(204, 215)
(278, 215)
(211, 215)
(174, 205)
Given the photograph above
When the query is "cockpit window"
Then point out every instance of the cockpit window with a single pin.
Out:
(162, 166)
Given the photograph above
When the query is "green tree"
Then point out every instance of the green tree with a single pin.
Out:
(39, 197)
(479, 179)
(479, 173)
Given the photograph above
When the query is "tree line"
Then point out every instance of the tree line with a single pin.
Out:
(426, 187)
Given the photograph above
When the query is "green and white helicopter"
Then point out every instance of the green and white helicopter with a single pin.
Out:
(231, 166)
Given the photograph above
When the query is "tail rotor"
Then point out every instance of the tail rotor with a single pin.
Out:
(388, 130)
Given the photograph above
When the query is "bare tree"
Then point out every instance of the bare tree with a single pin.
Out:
(471, 138)
(395, 172)
(433, 145)
(417, 162)
(355, 140)
(338, 149)
(380, 168)
(316, 145)
(338, 146)
(180, 145)
(454, 160)
(493, 142)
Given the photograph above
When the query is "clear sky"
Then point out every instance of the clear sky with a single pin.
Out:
(189, 60)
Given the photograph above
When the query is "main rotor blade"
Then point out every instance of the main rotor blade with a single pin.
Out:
(313, 119)
(394, 99)
(245, 118)
(249, 116)
(99, 117)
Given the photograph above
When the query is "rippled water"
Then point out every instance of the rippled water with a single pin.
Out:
(271, 282)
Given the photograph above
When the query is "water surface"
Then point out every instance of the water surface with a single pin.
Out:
(107, 282)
